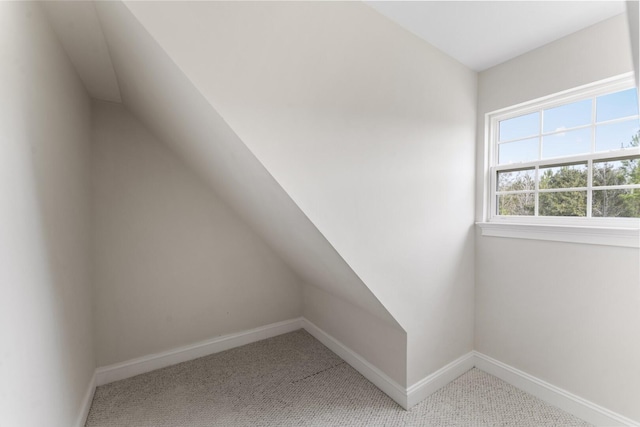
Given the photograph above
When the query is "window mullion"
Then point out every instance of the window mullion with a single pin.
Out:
(536, 198)
(594, 100)
(537, 192)
(561, 189)
(493, 178)
(589, 188)
(541, 124)
(593, 124)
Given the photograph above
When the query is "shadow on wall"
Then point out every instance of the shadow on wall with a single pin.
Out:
(194, 130)
(47, 356)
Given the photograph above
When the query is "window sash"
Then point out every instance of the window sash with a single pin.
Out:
(590, 91)
(593, 125)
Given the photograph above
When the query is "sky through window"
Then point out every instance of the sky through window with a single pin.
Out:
(567, 130)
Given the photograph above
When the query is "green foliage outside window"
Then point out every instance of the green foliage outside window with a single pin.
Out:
(605, 202)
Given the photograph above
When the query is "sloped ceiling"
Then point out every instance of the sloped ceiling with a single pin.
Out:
(479, 34)
(354, 117)
(160, 94)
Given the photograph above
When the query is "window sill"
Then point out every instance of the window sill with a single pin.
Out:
(624, 237)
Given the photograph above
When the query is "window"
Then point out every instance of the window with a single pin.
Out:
(570, 159)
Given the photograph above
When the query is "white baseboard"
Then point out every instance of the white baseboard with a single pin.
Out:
(86, 402)
(391, 388)
(568, 402)
(405, 397)
(440, 378)
(141, 365)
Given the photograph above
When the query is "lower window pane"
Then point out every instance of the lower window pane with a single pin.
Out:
(616, 203)
(516, 204)
(565, 176)
(563, 203)
(517, 180)
(616, 172)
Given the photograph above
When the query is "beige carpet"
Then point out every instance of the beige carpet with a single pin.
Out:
(293, 380)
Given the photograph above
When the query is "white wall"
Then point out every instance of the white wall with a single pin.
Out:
(46, 354)
(381, 344)
(360, 122)
(163, 97)
(174, 265)
(566, 313)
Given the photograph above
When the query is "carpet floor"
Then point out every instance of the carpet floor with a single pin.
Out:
(293, 380)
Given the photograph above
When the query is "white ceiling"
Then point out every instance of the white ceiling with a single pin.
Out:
(481, 34)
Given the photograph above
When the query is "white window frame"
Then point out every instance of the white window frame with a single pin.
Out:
(608, 231)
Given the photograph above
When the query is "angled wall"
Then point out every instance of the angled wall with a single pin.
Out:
(156, 90)
(174, 264)
(46, 350)
(369, 129)
(566, 313)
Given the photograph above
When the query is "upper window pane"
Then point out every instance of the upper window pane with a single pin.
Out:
(617, 105)
(567, 143)
(567, 116)
(518, 151)
(616, 136)
(519, 127)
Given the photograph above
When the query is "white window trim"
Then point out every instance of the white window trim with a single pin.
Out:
(624, 232)
(608, 236)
